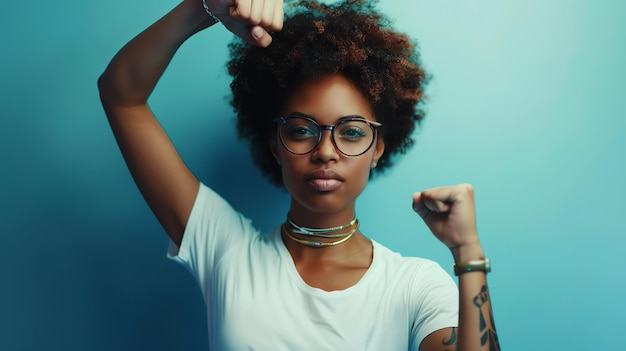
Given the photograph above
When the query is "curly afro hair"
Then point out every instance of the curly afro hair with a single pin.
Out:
(349, 38)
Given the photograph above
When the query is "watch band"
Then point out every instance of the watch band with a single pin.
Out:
(473, 266)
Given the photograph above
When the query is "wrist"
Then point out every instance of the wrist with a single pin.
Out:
(197, 15)
(473, 266)
(467, 252)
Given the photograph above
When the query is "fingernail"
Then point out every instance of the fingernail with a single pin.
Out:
(257, 32)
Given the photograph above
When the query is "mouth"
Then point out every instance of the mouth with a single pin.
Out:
(325, 180)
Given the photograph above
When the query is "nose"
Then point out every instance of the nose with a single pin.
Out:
(326, 150)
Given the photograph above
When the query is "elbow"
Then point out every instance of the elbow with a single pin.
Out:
(118, 89)
(102, 82)
(106, 89)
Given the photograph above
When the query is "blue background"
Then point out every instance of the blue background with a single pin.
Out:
(526, 104)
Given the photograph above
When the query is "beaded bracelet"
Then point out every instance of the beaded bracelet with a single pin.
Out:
(206, 8)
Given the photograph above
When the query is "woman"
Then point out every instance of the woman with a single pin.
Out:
(329, 102)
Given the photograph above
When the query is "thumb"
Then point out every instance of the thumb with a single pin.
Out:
(419, 206)
(259, 36)
(424, 203)
(254, 35)
(417, 202)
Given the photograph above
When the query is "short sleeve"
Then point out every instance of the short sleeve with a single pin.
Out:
(436, 302)
(212, 229)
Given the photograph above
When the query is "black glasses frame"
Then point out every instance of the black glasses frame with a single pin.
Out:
(282, 120)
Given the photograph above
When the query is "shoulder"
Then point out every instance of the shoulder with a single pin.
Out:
(214, 226)
(395, 261)
(413, 276)
(212, 207)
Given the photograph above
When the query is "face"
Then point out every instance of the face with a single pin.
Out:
(326, 181)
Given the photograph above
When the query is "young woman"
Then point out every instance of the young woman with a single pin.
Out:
(325, 102)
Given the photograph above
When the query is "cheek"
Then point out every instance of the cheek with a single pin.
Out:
(288, 169)
(365, 173)
(362, 170)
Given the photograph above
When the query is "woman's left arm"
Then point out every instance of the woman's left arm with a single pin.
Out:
(450, 214)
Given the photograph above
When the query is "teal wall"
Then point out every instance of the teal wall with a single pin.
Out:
(526, 104)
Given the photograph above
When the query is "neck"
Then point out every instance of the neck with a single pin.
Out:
(339, 231)
(320, 237)
(315, 219)
(301, 253)
(305, 217)
(314, 244)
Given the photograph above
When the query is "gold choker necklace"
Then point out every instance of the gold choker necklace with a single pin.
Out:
(321, 233)
(319, 243)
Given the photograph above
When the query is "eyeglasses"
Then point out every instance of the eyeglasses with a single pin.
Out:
(352, 135)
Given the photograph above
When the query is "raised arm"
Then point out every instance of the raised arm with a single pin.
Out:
(450, 215)
(163, 179)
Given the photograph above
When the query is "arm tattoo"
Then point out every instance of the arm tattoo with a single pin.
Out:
(450, 341)
(489, 334)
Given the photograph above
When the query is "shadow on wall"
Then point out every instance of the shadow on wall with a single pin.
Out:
(90, 273)
(241, 183)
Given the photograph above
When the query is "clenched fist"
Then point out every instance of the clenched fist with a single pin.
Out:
(251, 20)
(450, 214)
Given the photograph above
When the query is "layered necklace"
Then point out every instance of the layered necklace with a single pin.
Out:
(342, 233)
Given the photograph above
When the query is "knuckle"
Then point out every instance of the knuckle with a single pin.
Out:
(266, 23)
(467, 188)
(277, 27)
(254, 20)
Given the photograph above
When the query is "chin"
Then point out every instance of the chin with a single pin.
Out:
(324, 202)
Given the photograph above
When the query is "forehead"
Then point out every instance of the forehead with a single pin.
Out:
(329, 99)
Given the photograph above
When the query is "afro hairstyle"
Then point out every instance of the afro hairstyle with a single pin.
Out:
(349, 38)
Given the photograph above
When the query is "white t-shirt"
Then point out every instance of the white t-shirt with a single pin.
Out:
(256, 299)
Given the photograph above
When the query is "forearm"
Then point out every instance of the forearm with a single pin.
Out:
(476, 326)
(135, 70)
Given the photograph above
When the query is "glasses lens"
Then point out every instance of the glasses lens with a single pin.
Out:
(299, 135)
(353, 137)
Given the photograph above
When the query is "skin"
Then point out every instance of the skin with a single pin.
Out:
(337, 267)
(170, 188)
(327, 101)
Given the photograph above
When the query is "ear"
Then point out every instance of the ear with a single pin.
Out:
(273, 144)
(379, 149)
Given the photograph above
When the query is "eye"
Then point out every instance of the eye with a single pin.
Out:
(300, 131)
(353, 131)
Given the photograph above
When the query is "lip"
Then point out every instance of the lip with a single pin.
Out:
(324, 180)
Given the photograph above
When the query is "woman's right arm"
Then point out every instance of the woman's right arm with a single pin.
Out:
(163, 179)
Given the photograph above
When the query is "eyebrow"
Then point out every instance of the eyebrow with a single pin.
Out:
(300, 114)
